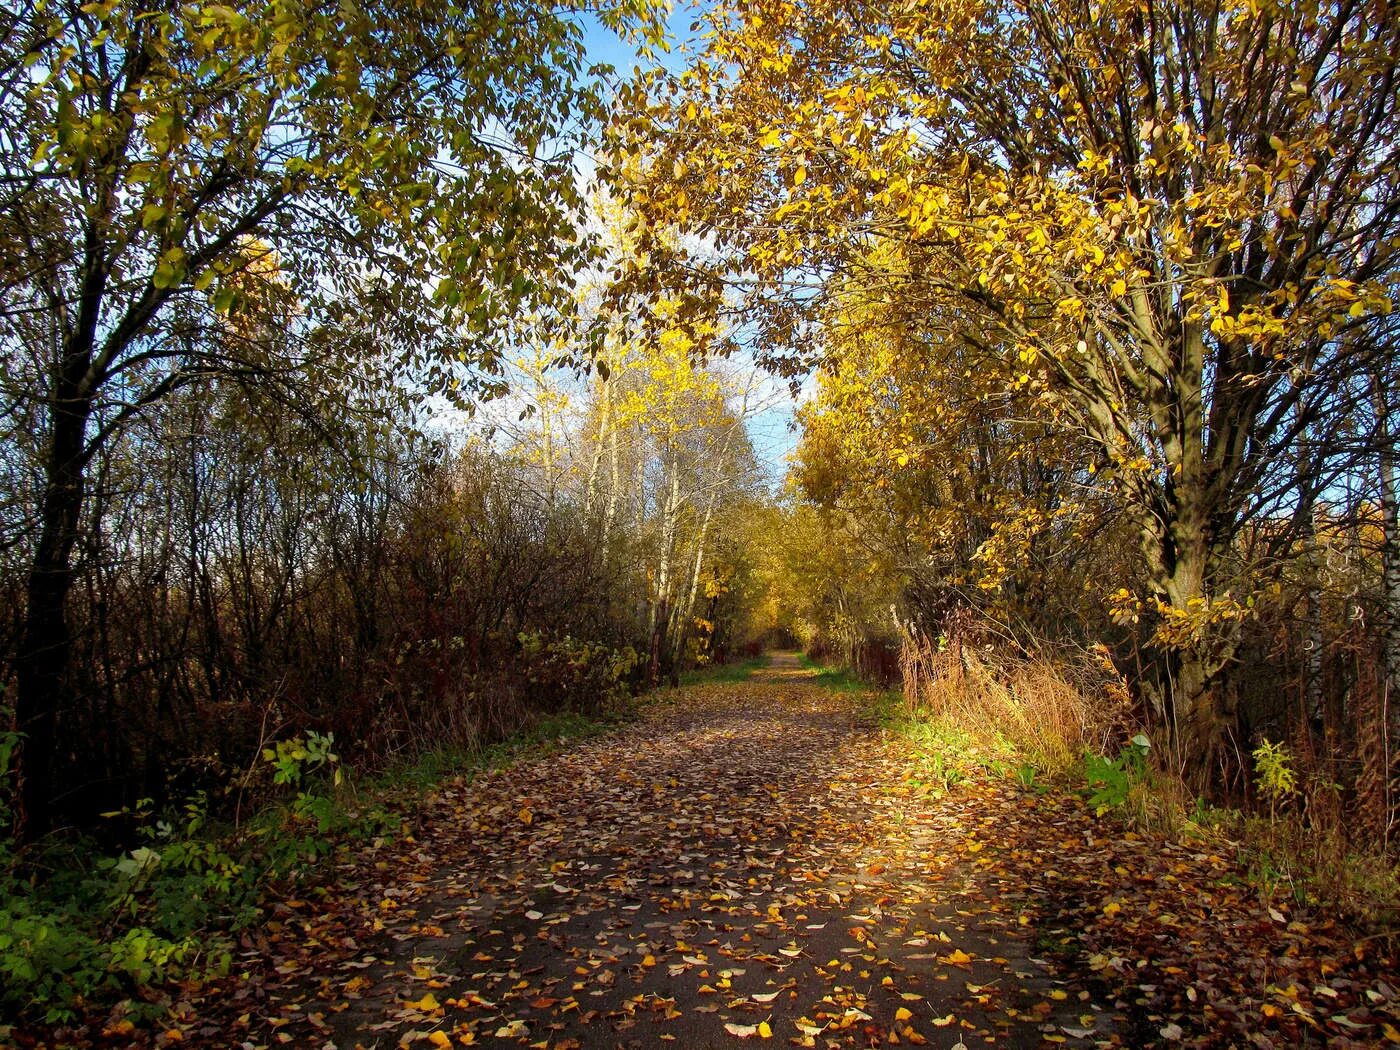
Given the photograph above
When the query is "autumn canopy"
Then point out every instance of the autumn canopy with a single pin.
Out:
(1142, 249)
(947, 449)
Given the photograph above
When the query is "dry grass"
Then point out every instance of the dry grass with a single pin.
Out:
(1047, 712)
(1316, 845)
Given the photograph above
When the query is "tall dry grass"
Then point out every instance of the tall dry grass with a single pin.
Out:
(1047, 711)
(1325, 841)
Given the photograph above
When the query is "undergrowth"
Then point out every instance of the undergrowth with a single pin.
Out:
(80, 928)
(1031, 721)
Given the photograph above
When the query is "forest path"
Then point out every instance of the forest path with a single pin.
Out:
(760, 860)
(747, 859)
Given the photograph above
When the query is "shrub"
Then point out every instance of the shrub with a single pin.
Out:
(579, 676)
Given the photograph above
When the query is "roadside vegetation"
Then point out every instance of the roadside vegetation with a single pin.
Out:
(84, 928)
(385, 387)
(1067, 728)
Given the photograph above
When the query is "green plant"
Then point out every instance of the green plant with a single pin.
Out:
(301, 756)
(1110, 780)
(45, 960)
(56, 954)
(185, 880)
(1274, 772)
(99, 928)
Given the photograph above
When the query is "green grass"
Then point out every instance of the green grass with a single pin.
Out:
(945, 754)
(544, 736)
(724, 674)
(837, 679)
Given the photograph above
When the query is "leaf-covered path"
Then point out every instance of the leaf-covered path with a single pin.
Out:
(756, 861)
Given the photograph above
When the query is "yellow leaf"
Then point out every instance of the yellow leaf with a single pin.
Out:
(903, 1014)
(441, 1039)
(764, 1031)
(526, 817)
(427, 1004)
(799, 176)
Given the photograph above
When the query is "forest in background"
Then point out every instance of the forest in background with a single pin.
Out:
(1093, 304)
(261, 265)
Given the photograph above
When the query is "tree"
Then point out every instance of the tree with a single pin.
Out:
(169, 172)
(678, 422)
(1170, 216)
(954, 471)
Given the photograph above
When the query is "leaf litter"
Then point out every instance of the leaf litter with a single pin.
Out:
(756, 861)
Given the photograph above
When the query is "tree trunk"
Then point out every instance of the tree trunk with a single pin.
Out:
(614, 483)
(1312, 598)
(660, 611)
(1390, 569)
(44, 655)
(1184, 584)
(687, 611)
(658, 631)
(600, 441)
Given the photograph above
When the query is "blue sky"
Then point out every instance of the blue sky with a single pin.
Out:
(604, 46)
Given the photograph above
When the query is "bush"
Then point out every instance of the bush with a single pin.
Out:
(98, 927)
(579, 676)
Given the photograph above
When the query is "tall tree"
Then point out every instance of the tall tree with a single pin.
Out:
(166, 170)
